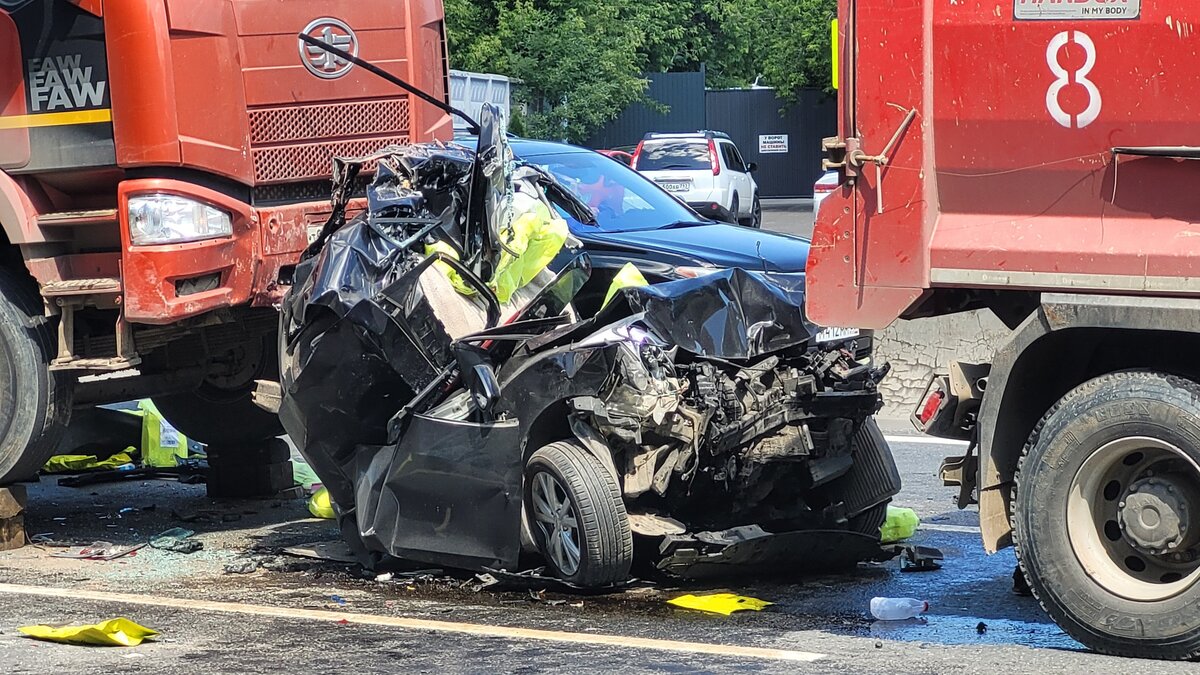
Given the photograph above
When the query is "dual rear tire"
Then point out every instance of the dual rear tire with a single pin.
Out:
(1106, 516)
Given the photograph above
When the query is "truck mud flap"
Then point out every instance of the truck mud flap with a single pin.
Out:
(752, 551)
(448, 493)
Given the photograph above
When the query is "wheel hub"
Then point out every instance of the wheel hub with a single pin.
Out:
(1155, 515)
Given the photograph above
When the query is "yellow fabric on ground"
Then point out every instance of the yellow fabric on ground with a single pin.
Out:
(118, 632)
(70, 463)
(719, 603)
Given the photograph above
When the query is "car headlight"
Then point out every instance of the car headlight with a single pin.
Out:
(171, 219)
(693, 272)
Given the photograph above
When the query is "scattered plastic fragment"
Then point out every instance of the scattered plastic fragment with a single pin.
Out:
(99, 550)
(177, 540)
(386, 576)
(897, 609)
(901, 524)
(333, 551)
(719, 603)
(320, 505)
(338, 599)
(75, 463)
(117, 632)
(242, 566)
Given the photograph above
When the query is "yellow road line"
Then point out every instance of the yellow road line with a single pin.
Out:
(502, 632)
(55, 119)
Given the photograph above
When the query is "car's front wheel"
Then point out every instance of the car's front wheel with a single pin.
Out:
(577, 516)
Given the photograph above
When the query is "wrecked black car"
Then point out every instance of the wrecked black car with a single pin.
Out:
(462, 410)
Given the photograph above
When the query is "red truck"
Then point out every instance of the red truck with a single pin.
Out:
(162, 165)
(1035, 158)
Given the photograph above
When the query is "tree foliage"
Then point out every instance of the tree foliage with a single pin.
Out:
(580, 62)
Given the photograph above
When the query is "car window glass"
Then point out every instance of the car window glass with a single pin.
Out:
(684, 155)
(732, 160)
(737, 155)
(621, 198)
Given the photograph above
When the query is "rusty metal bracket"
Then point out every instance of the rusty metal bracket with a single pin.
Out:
(857, 158)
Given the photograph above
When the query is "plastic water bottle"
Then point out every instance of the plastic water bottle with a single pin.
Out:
(897, 609)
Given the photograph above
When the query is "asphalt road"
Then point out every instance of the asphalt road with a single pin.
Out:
(301, 615)
(789, 216)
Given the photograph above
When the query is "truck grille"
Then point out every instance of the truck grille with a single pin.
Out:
(299, 142)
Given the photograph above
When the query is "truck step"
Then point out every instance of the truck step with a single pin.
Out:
(111, 364)
(74, 218)
(67, 287)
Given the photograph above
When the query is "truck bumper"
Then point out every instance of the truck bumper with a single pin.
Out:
(162, 284)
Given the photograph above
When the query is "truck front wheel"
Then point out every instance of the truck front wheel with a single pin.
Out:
(1107, 515)
(221, 410)
(35, 404)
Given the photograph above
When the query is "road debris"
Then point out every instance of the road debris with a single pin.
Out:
(242, 566)
(897, 609)
(330, 551)
(919, 558)
(719, 603)
(177, 540)
(119, 632)
(900, 524)
(100, 550)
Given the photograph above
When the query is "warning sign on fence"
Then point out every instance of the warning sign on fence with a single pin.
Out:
(772, 144)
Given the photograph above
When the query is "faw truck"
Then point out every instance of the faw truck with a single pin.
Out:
(162, 165)
(1038, 159)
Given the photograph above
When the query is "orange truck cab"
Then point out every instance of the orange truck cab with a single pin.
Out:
(1038, 159)
(162, 165)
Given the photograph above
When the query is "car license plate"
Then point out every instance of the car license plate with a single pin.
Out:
(837, 334)
(676, 187)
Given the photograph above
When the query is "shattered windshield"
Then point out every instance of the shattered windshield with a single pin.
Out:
(621, 198)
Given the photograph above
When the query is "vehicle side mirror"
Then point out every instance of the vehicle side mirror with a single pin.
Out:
(485, 387)
(752, 167)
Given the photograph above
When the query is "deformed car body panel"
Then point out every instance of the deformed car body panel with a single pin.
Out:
(448, 492)
(705, 398)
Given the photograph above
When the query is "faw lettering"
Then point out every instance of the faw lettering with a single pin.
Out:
(61, 83)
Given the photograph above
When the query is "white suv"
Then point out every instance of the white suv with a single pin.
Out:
(705, 170)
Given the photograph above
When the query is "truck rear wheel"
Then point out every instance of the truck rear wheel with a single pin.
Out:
(222, 411)
(35, 404)
(1107, 515)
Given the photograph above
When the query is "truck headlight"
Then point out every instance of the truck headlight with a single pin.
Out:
(171, 219)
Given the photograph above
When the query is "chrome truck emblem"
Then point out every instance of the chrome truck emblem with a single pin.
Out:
(332, 32)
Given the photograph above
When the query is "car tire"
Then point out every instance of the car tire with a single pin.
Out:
(35, 403)
(734, 207)
(755, 219)
(577, 516)
(1094, 558)
(220, 415)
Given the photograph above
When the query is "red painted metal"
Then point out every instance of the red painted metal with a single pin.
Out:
(219, 88)
(1006, 179)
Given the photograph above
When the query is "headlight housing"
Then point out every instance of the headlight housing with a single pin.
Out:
(171, 219)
